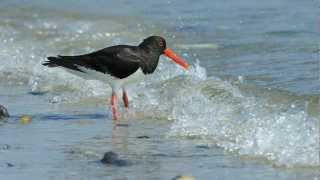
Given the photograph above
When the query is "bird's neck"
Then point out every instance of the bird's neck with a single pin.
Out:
(149, 60)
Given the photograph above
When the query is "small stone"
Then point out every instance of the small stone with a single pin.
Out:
(112, 158)
(4, 147)
(25, 119)
(203, 147)
(143, 137)
(37, 93)
(9, 164)
(183, 177)
(3, 112)
(160, 155)
(109, 157)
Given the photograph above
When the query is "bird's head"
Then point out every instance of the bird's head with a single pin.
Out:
(158, 44)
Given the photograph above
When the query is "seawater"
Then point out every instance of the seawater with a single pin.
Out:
(252, 91)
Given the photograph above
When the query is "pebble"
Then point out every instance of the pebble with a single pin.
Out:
(112, 158)
(3, 112)
(25, 119)
(37, 93)
(184, 177)
(143, 137)
(4, 147)
(9, 164)
(202, 147)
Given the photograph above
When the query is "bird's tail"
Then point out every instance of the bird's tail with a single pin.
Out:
(52, 61)
(68, 62)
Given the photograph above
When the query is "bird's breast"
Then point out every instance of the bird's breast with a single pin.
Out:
(136, 77)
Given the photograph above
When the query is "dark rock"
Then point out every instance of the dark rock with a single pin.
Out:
(4, 147)
(143, 137)
(112, 158)
(9, 164)
(109, 157)
(203, 147)
(3, 112)
(160, 155)
(37, 93)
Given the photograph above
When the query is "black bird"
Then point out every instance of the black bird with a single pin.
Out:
(116, 65)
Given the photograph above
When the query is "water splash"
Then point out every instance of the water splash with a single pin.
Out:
(249, 126)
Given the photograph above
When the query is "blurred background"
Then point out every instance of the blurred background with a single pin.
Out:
(271, 44)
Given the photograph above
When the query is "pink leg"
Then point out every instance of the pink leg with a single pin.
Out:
(125, 99)
(115, 114)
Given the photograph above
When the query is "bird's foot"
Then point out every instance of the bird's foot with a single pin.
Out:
(115, 114)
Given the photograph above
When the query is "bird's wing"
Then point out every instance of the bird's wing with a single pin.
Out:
(119, 61)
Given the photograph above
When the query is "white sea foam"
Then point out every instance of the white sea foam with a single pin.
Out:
(247, 126)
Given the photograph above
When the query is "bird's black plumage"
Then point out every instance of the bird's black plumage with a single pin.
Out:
(119, 61)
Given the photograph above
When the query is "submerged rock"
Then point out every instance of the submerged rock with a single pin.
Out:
(3, 112)
(143, 137)
(183, 177)
(38, 93)
(112, 158)
(202, 147)
(9, 164)
(4, 147)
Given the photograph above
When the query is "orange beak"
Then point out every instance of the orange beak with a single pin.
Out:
(170, 54)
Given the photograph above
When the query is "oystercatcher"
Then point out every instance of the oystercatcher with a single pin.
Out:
(117, 64)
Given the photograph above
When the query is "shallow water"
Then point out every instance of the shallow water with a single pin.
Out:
(67, 143)
(248, 108)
